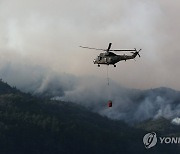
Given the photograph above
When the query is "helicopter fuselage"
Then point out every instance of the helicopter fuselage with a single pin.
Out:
(110, 58)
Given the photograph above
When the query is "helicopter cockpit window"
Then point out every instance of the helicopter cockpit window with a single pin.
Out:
(99, 58)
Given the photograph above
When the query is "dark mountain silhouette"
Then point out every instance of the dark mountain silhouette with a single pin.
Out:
(6, 89)
(35, 125)
(161, 125)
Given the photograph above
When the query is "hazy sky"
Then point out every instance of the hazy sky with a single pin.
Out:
(47, 33)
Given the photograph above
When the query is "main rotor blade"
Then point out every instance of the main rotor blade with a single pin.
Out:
(92, 48)
(123, 50)
(109, 47)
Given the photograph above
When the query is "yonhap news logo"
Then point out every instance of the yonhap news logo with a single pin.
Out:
(151, 139)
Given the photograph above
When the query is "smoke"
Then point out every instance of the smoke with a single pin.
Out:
(39, 53)
(48, 34)
(176, 121)
(130, 105)
(36, 79)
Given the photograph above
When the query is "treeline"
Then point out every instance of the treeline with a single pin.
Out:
(34, 125)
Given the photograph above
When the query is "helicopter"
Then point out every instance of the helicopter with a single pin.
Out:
(110, 58)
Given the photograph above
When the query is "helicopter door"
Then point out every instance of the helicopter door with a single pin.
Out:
(105, 60)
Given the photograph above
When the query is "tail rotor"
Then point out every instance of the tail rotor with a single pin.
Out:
(137, 51)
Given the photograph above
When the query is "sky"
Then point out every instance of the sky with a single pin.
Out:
(44, 36)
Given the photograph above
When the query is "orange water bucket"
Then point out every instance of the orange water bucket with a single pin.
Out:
(109, 103)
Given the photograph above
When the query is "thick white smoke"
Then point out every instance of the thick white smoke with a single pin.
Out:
(48, 34)
(36, 79)
(131, 105)
(176, 121)
(39, 50)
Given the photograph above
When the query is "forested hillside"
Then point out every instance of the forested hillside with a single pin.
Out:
(35, 125)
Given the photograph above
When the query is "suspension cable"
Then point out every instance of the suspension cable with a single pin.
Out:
(107, 75)
(108, 89)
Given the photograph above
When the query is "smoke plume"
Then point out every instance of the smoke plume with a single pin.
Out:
(39, 53)
(130, 105)
(49, 33)
(176, 121)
